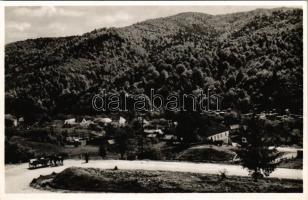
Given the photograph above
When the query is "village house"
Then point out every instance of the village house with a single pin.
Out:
(222, 136)
(169, 137)
(152, 135)
(171, 124)
(86, 123)
(21, 120)
(229, 136)
(97, 134)
(152, 131)
(103, 121)
(111, 142)
(234, 128)
(71, 121)
(145, 123)
(122, 121)
(10, 121)
(75, 141)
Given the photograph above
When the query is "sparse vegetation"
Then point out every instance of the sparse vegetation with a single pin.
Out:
(207, 154)
(97, 180)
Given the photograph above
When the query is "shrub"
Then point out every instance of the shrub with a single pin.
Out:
(102, 151)
(15, 153)
(151, 153)
(223, 175)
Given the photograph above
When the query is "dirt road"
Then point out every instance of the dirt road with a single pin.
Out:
(18, 177)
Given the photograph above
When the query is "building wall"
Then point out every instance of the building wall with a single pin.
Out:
(223, 136)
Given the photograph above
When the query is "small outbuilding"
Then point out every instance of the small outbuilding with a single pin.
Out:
(222, 136)
(104, 121)
(86, 123)
(10, 121)
(152, 135)
(71, 121)
(122, 121)
(151, 131)
(169, 137)
(112, 141)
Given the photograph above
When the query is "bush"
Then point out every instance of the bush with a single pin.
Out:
(223, 175)
(15, 153)
(210, 154)
(131, 156)
(150, 153)
(102, 151)
(20, 149)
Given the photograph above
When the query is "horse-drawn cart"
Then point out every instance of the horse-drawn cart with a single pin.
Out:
(45, 161)
(38, 162)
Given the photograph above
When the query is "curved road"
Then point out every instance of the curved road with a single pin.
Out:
(18, 176)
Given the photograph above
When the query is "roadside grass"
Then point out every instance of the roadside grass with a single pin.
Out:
(76, 179)
(76, 152)
(21, 149)
(36, 147)
(207, 153)
(296, 163)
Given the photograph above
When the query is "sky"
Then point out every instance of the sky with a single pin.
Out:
(55, 21)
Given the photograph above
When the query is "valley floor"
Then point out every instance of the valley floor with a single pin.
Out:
(18, 176)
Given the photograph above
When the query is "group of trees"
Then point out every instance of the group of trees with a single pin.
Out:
(129, 142)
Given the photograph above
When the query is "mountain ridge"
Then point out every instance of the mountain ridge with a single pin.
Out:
(230, 53)
(256, 11)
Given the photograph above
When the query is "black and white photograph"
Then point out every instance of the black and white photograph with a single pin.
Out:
(150, 98)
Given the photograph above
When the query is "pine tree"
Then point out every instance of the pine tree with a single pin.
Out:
(255, 152)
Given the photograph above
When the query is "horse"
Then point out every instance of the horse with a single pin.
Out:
(56, 160)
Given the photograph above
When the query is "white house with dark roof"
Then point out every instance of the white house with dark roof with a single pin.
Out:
(122, 121)
(151, 131)
(86, 123)
(10, 120)
(71, 121)
(234, 126)
(169, 137)
(152, 135)
(222, 136)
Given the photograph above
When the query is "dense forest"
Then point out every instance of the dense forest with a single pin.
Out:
(254, 60)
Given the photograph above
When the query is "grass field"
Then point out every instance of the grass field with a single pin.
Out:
(76, 179)
(207, 153)
(296, 163)
(24, 149)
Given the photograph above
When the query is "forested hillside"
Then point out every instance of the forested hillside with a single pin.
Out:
(252, 59)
